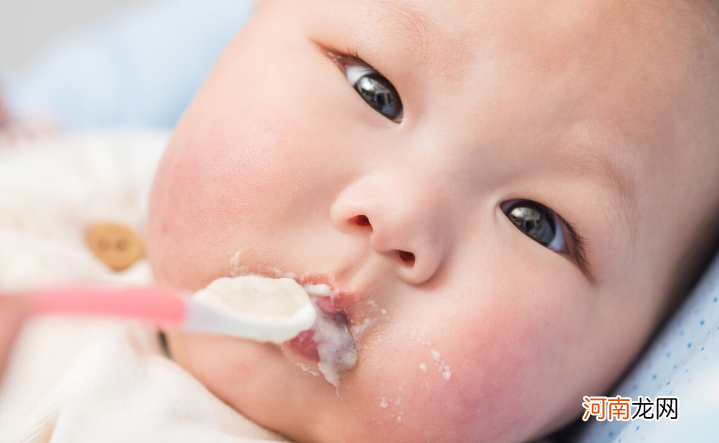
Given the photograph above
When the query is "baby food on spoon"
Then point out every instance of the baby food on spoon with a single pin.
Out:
(286, 304)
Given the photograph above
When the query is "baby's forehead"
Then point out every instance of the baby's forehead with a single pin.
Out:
(628, 64)
(622, 62)
(591, 45)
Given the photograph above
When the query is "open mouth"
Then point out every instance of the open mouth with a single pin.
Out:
(330, 346)
(329, 343)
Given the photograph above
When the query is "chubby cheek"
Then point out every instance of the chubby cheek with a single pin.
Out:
(243, 163)
(513, 364)
(500, 364)
(220, 191)
(195, 205)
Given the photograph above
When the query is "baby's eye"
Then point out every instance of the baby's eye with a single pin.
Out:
(376, 90)
(538, 222)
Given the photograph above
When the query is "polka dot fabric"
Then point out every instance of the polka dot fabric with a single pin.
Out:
(683, 361)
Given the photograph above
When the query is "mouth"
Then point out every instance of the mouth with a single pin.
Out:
(329, 344)
(305, 346)
(307, 342)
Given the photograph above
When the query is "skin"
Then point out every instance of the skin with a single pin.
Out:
(278, 157)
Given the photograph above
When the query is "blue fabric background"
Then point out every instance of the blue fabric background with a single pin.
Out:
(683, 361)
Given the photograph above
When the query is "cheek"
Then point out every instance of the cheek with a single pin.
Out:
(218, 191)
(204, 189)
(236, 172)
(528, 354)
(518, 355)
(245, 165)
(533, 348)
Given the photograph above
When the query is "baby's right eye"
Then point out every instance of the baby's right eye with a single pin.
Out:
(376, 90)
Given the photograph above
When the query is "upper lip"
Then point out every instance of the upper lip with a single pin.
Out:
(339, 303)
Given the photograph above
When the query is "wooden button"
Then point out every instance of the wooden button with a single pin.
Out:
(115, 245)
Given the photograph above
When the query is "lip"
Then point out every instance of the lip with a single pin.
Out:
(339, 302)
(304, 345)
(336, 305)
(327, 305)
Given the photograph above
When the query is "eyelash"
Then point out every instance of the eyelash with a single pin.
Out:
(353, 55)
(348, 57)
(386, 101)
(573, 241)
(577, 241)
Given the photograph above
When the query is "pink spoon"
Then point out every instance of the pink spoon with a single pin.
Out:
(167, 308)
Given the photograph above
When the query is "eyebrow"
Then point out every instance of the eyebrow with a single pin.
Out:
(422, 32)
(618, 179)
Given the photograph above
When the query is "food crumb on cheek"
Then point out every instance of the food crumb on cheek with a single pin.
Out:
(442, 368)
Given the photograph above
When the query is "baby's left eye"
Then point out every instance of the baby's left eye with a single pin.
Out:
(538, 222)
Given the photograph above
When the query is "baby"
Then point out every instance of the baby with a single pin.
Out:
(517, 185)
(503, 196)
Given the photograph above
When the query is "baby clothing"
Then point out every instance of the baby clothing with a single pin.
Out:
(99, 381)
(92, 381)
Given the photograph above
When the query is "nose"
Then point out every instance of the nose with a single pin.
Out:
(404, 220)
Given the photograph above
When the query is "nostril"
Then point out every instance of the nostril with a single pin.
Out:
(362, 220)
(407, 257)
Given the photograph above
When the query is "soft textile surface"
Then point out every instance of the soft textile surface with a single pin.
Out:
(94, 381)
(53, 190)
(683, 361)
(89, 380)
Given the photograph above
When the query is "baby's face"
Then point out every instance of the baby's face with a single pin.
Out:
(434, 185)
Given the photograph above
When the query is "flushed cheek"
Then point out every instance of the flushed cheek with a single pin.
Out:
(242, 168)
(399, 400)
(522, 362)
(213, 189)
(443, 389)
(507, 355)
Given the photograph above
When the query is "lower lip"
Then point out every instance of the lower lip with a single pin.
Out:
(326, 305)
(304, 345)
